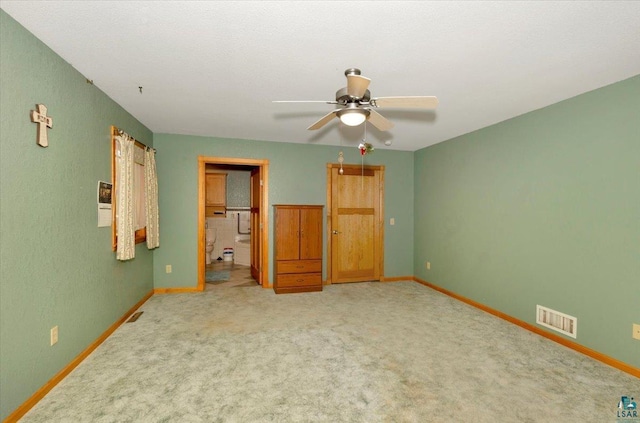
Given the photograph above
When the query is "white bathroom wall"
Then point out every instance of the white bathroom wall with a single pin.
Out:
(226, 230)
(225, 233)
(244, 222)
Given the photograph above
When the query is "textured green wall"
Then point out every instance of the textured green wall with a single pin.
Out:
(57, 266)
(542, 209)
(297, 174)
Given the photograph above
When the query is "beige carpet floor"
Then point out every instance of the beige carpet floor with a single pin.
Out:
(367, 352)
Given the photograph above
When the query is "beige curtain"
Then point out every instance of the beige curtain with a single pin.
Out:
(126, 245)
(151, 197)
(140, 212)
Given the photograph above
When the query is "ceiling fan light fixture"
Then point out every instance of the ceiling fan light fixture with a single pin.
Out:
(353, 116)
(352, 119)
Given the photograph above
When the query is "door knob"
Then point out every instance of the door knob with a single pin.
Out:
(335, 232)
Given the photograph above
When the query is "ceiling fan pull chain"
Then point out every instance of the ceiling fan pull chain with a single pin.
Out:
(340, 155)
(364, 140)
(364, 148)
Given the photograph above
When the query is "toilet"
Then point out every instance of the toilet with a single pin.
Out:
(210, 240)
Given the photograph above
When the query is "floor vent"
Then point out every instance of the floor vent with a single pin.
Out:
(557, 321)
(135, 316)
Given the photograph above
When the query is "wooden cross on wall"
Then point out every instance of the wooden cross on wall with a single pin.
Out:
(40, 117)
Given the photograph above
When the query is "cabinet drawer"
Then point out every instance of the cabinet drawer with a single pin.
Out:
(303, 279)
(216, 211)
(299, 266)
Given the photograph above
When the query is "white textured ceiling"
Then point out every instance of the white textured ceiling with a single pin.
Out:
(213, 68)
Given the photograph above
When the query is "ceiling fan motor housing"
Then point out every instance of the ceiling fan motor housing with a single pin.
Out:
(342, 97)
(352, 71)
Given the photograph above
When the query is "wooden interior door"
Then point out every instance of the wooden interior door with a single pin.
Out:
(356, 224)
(256, 232)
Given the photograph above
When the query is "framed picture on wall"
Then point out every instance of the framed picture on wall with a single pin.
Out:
(104, 192)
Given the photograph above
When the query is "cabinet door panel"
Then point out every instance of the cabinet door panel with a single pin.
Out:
(287, 234)
(311, 233)
(216, 189)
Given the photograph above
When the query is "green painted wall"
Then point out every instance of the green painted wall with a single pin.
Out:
(57, 266)
(542, 209)
(297, 174)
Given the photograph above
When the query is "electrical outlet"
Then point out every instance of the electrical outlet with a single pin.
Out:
(54, 335)
(392, 221)
(168, 268)
(428, 265)
(636, 331)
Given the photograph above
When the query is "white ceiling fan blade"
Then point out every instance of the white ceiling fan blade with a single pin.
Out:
(416, 102)
(379, 121)
(357, 85)
(323, 121)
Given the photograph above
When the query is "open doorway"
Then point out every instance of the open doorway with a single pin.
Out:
(257, 213)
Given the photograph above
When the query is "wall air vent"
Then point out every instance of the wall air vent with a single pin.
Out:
(560, 322)
(135, 316)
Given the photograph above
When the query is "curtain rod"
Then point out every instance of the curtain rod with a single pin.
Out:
(118, 131)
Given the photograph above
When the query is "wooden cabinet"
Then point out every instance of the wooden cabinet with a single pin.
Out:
(298, 248)
(215, 194)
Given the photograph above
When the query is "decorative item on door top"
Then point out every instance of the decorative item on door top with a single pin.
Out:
(365, 148)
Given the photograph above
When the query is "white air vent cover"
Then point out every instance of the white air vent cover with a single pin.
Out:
(560, 322)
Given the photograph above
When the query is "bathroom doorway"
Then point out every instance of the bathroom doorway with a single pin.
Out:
(254, 215)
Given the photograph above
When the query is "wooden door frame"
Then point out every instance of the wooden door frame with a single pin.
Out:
(330, 167)
(203, 161)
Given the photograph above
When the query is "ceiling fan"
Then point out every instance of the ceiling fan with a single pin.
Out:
(355, 104)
